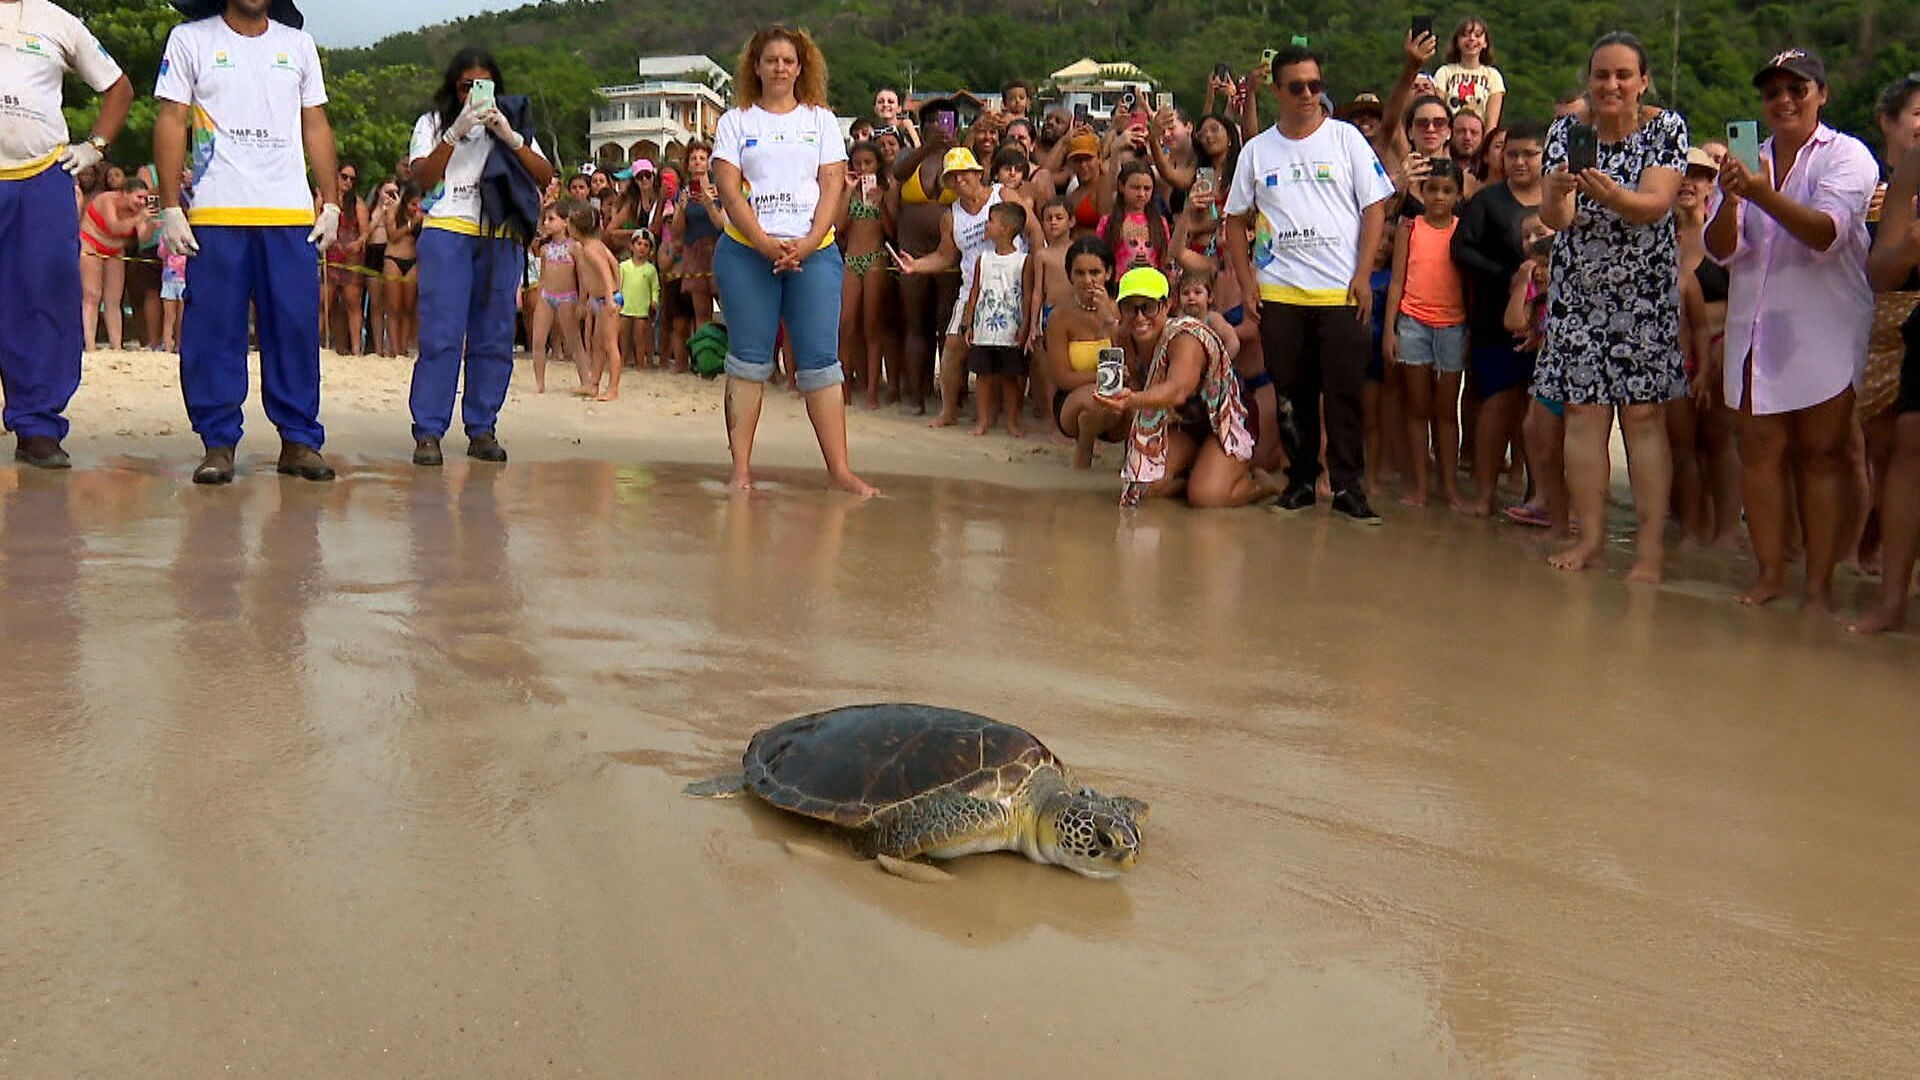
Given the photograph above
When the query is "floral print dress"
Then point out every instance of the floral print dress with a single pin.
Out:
(1216, 402)
(1613, 305)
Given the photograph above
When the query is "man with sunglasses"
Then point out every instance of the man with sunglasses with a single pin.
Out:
(242, 81)
(1308, 206)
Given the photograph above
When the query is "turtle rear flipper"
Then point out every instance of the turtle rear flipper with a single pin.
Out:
(730, 786)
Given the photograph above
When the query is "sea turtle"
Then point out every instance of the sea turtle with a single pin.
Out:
(913, 780)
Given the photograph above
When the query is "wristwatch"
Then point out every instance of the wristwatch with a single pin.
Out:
(98, 143)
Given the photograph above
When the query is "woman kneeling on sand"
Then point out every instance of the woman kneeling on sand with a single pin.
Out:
(1189, 426)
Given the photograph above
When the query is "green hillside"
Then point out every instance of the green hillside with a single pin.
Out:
(560, 49)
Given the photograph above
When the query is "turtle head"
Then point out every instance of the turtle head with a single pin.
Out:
(1090, 833)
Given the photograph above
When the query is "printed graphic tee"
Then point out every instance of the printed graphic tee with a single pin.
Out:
(780, 156)
(35, 55)
(1307, 196)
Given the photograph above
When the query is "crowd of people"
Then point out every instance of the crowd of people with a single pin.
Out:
(1418, 291)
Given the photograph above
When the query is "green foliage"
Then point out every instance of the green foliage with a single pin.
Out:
(558, 51)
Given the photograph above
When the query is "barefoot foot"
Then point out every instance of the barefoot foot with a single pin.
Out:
(848, 482)
(1579, 557)
(1762, 593)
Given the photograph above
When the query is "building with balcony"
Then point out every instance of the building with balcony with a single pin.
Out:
(677, 100)
(1098, 85)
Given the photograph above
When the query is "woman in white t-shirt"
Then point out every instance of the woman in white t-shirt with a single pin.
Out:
(1468, 78)
(782, 173)
(469, 275)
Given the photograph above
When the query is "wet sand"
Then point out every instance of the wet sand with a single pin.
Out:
(382, 778)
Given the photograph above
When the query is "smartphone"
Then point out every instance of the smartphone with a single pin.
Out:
(1223, 71)
(1422, 26)
(948, 123)
(1162, 102)
(1266, 57)
(1126, 101)
(1583, 148)
(898, 259)
(1111, 374)
(1079, 112)
(481, 96)
(1743, 142)
(1300, 40)
(1204, 179)
(867, 183)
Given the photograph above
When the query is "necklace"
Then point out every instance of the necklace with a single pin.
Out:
(1084, 306)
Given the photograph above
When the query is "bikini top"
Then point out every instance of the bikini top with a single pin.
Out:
(913, 193)
(99, 222)
(558, 251)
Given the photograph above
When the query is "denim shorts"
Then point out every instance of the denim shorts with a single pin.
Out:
(758, 302)
(1444, 347)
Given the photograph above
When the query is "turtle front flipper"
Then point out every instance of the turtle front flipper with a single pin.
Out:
(730, 786)
(944, 825)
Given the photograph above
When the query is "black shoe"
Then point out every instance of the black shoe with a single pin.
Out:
(216, 467)
(427, 452)
(486, 448)
(1353, 503)
(42, 452)
(1296, 497)
(303, 461)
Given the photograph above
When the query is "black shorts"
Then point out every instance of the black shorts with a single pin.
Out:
(997, 360)
(1499, 368)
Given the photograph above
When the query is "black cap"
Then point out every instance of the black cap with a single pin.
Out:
(1796, 62)
(282, 11)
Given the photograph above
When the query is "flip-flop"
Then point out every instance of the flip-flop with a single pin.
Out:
(1530, 516)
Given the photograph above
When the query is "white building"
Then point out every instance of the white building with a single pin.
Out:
(677, 99)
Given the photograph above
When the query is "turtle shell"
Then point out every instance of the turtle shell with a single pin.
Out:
(849, 765)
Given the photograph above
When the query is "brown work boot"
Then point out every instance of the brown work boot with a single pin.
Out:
(303, 461)
(486, 448)
(42, 452)
(216, 467)
(427, 452)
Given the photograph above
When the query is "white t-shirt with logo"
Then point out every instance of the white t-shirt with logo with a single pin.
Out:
(454, 202)
(1307, 195)
(780, 155)
(35, 55)
(248, 161)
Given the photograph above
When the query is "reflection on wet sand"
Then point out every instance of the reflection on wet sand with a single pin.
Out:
(383, 779)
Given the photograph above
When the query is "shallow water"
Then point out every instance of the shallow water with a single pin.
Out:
(383, 778)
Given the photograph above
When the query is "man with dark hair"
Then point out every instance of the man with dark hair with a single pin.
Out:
(1308, 211)
(40, 295)
(247, 79)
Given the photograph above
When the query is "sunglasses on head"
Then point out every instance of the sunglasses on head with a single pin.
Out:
(1299, 87)
(1799, 90)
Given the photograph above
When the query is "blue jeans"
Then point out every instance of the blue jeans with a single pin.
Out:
(469, 294)
(757, 301)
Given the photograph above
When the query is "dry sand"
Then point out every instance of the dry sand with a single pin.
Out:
(382, 777)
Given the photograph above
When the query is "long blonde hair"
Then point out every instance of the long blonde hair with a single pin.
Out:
(809, 89)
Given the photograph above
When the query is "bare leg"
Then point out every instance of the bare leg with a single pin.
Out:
(1683, 439)
(93, 273)
(742, 410)
(1722, 474)
(112, 293)
(1499, 423)
(1417, 381)
(1878, 434)
(1823, 470)
(1588, 467)
(916, 346)
(827, 410)
(1085, 421)
(1650, 471)
(1763, 454)
(873, 331)
(351, 300)
(1899, 530)
(610, 355)
(988, 406)
(1010, 393)
(1446, 435)
(953, 380)
(1218, 480)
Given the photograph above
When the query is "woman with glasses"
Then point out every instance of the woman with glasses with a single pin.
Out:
(1613, 327)
(1793, 237)
(341, 304)
(1189, 431)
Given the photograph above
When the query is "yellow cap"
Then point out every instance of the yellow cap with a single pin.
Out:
(1143, 281)
(960, 159)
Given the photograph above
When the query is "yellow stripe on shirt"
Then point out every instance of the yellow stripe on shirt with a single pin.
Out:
(1288, 294)
(31, 169)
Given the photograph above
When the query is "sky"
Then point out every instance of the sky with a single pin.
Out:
(343, 23)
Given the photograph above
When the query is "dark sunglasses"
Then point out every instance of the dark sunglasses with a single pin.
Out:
(349, 177)
(1298, 87)
(1139, 307)
(1799, 90)
(1431, 123)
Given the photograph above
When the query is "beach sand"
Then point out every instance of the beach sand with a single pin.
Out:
(383, 777)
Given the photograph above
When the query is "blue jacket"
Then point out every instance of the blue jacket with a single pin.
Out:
(509, 199)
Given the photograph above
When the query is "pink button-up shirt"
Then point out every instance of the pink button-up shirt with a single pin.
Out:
(1805, 314)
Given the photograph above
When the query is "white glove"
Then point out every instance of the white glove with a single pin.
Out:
(326, 228)
(462, 125)
(81, 155)
(502, 129)
(176, 233)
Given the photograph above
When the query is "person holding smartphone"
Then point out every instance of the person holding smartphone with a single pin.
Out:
(781, 169)
(1793, 237)
(469, 268)
(1613, 329)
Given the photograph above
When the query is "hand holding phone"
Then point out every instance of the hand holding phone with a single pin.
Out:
(1583, 148)
(480, 98)
(1110, 377)
(1743, 142)
(1422, 26)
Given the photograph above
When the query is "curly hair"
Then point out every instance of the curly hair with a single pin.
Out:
(810, 88)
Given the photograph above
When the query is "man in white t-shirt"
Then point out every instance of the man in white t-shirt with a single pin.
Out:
(1308, 206)
(40, 297)
(242, 81)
